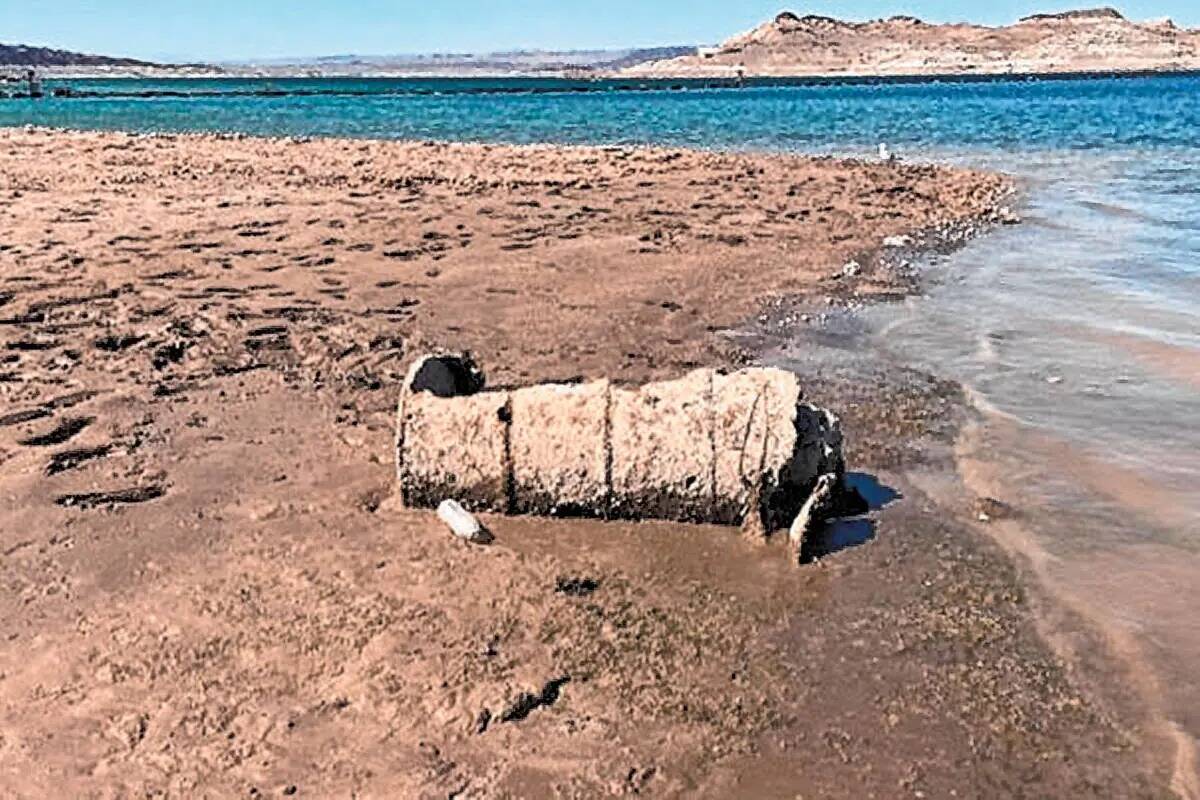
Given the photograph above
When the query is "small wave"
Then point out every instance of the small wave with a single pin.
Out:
(1177, 363)
(1114, 210)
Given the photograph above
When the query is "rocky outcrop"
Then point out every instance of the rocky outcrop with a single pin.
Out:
(1081, 14)
(708, 447)
(1088, 40)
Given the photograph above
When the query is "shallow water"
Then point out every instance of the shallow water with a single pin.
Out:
(1083, 327)
(1078, 332)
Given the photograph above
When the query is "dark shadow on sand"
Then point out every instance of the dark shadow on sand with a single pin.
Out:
(875, 493)
(846, 532)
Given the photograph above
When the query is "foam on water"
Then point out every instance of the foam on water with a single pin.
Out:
(1078, 332)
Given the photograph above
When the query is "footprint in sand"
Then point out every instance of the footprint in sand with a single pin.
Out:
(63, 432)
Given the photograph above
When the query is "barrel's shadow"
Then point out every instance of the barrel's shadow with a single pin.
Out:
(847, 532)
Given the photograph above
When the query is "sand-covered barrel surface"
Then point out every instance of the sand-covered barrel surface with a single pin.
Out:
(707, 447)
(559, 445)
(453, 438)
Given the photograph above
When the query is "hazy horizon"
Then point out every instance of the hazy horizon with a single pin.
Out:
(224, 31)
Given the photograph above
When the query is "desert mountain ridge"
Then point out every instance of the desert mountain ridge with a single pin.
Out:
(20, 55)
(54, 63)
(1081, 41)
(499, 63)
(1087, 40)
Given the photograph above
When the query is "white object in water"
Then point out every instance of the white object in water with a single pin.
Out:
(462, 522)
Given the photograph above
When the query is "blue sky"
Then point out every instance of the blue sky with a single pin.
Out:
(231, 29)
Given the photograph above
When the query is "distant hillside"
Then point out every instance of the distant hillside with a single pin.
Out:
(519, 62)
(18, 55)
(641, 56)
(64, 63)
(1076, 41)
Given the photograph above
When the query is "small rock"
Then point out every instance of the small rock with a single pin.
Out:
(989, 508)
(574, 586)
(462, 523)
(1006, 216)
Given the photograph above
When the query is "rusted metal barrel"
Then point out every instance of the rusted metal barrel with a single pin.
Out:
(708, 447)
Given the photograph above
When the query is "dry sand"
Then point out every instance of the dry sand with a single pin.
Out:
(208, 590)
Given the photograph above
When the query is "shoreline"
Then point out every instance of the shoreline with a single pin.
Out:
(1102, 655)
(556, 83)
(273, 620)
(1106, 656)
(957, 485)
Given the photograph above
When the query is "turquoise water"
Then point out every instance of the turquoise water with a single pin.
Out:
(1078, 332)
(1081, 114)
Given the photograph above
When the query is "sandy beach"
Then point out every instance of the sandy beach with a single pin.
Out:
(210, 589)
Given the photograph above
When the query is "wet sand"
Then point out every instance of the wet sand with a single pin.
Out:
(1143, 616)
(211, 591)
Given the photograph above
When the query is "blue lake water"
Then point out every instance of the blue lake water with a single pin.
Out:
(1078, 332)
(1007, 115)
